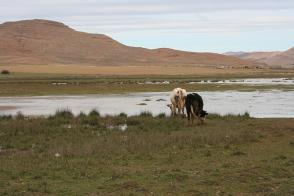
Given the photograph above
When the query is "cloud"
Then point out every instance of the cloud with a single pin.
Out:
(119, 17)
(164, 15)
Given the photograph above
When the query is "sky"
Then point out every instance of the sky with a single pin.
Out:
(191, 25)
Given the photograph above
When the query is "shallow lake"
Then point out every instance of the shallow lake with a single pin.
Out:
(261, 104)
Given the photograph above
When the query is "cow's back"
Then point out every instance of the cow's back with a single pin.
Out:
(194, 100)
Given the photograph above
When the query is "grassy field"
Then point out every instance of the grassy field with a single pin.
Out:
(89, 154)
(55, 84)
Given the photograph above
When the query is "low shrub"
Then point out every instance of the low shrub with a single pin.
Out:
(66, 114)
(5, 72)
(19, 116)
(123, 115)
(94, 113)
(5, 117)
(146, 114)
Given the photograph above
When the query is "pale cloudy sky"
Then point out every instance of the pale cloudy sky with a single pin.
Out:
(194, 25)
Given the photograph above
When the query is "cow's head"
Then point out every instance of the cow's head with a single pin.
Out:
(170, 106)
(203, 115)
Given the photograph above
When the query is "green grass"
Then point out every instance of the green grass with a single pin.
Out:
(89, 154)
(21, 84)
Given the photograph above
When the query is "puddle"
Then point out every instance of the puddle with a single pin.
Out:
(122, 127)
(261, 104)
(158, 82)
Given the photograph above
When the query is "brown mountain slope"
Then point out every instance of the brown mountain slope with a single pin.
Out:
(284, 59)
(255, 56)
(49, 42)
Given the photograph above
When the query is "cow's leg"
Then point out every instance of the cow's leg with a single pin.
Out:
(174, 110)
(183, 112)
(189, 119)
(188, 114)
(171, 108)
(200, 121)
(179, 110)
(182, 109)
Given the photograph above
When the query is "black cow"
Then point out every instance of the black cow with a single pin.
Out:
(194, 107)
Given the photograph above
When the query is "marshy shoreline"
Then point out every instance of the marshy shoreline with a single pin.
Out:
(18, 84)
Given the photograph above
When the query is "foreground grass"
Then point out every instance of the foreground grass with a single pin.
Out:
(22, 84)
(90, 154)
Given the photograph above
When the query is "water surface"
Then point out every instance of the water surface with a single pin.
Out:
(261, 104)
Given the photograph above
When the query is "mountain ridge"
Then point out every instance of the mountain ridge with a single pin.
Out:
(40, 41)
(274, 59)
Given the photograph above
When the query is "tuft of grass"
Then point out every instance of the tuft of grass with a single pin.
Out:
(19, 116)
(81, 115)
(5, 117)
(94, 113)
(63, 114)
(146, 114)
(123, 115)
(161, 115)
(246, 114)
(92, 119)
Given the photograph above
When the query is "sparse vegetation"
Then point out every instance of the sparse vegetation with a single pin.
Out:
(15, 84)
(66, 154)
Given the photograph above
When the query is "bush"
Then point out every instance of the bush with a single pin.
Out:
(246, 114)
(82, 115)
(94, 113)
(19, 116)
(123, 115)
(5, 117)
(91, 119)
(5, 72)
(64, 114)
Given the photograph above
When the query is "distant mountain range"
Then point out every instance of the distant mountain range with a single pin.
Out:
(278, 59)
(38, 42)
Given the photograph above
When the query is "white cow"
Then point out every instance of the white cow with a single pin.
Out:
(177, 98)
